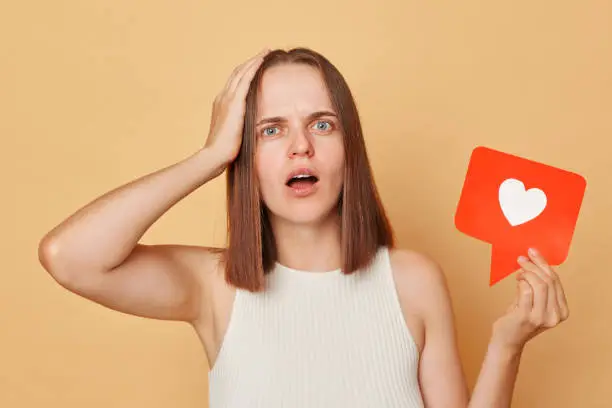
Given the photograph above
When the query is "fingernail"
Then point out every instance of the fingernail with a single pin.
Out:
(522, 258)
(532, 251)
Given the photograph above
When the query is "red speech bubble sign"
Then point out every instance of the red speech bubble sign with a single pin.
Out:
(515, 204)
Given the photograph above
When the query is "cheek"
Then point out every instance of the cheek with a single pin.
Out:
(337, 160)
(265, 172)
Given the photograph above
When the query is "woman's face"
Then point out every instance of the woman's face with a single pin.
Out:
(299, 158)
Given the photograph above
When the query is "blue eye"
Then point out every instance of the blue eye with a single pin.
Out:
(321, 125)
(266, 133)
(323, 122)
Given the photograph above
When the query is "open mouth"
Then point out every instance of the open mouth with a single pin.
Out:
(302, 181)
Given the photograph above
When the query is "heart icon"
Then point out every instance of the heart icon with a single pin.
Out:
(520, 206)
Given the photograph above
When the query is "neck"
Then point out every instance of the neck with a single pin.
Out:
(309, 247)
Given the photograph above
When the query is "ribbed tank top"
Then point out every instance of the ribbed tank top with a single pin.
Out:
(318, 340)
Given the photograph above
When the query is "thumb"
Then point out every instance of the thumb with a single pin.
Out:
(525, 296)
(515, 302)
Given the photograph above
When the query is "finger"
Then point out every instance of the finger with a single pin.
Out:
(538, 265)
(538, 259)
(543, 271)
(540, 292)
(239, 71)
(242, 86)
(525, 295)
(557, 301)
(561, 298)
(527, 265)
(515, 302)
(236, 72)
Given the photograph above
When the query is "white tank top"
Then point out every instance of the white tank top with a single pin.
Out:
(318, 340)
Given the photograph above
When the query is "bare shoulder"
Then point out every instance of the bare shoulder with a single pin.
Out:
(420, 281)
(416, 269)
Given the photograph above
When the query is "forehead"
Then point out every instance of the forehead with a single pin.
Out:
(290, 89)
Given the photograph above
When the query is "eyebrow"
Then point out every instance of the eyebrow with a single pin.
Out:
(310, 117)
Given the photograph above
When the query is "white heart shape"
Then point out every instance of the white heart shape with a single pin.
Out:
(520, 206)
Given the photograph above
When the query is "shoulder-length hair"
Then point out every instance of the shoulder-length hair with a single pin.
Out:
(251, 249)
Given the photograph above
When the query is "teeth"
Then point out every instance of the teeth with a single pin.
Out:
(301, 176)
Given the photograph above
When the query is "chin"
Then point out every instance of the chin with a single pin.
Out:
(304, 213)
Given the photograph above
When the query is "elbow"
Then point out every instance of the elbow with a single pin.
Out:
(49, 256)
(47, 252)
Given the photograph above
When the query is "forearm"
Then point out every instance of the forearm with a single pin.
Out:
(495, 384)
(102, 234)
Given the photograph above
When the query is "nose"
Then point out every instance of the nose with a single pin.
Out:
(301, 144)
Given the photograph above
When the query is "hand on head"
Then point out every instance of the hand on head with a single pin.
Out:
(227, 119)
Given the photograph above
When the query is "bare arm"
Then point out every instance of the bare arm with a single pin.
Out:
(441, 374)
(539, 305)
(95, 252)
(497, 378)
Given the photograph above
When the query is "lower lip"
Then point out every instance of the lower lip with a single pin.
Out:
(304, 191)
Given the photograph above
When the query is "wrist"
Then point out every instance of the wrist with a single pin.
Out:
(504, 350)
(212, 160)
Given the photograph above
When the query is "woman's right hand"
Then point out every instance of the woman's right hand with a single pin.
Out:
(227, 120)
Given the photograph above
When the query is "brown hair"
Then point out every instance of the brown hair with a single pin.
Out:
(251, 250)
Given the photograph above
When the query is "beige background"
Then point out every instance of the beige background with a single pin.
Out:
(96, 93)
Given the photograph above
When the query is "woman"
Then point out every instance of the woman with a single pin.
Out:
(310, 304)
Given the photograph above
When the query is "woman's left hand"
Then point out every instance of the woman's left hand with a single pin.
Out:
(540, 304)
